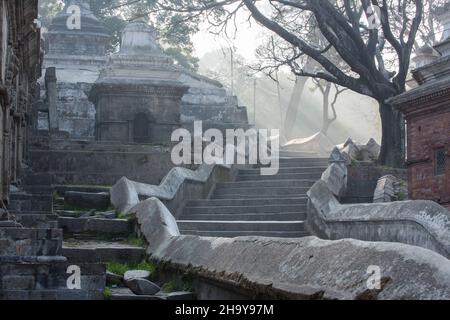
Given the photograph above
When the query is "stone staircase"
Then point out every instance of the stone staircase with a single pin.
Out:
(256, 205)
(32, 266)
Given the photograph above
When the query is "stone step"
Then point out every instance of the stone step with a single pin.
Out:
(261, 191)
(230, 197)
(289, 170)
(61, 189)
(30, 242)
(286, 208)
(102, 252)
(31, 212)
(240, 225)
(303, 162)
(287, 176)
(127, 294)
(55, 294)
(87, 200)
(30, 202)
(296, 154)
(233, 234)
(96, 226)
(33, 273)
(266, 183)
(248, 202)
(42, 221)
(39, 189)
(246, 217)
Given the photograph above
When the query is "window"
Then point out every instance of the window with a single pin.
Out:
(440, 161)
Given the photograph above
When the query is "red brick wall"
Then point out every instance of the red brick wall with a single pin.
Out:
(426, 133)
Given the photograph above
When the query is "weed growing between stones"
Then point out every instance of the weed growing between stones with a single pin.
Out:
(121, 268)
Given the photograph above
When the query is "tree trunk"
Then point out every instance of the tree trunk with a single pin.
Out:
(294, 106)
(392, 152)
(326, 121)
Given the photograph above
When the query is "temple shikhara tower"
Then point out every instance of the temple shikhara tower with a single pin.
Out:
(427, 112)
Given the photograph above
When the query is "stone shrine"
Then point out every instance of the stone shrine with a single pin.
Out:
(138, 95)
(77, 56)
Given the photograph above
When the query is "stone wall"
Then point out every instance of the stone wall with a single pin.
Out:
(362, 180)
(89, 163)
(20, 59)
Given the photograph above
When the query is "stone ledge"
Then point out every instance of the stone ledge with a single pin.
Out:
(309, 268)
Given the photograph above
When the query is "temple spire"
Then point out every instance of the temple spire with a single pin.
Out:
(139, 37)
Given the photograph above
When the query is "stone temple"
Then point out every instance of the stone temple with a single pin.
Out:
(115, 113)
(138, 94)
(77, 56)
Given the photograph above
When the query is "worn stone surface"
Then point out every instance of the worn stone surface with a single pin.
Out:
(139, 274)
(113, 279)
(87, 200)
(141, 286)
(179, 295)
(318, 143)
(96, 225)
(156, 222)
(336, 178)
(390, 188)
(310, 268)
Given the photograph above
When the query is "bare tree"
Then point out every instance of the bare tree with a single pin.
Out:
(376, 55)
(326, 89)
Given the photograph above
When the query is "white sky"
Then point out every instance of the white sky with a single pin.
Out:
(246, 40)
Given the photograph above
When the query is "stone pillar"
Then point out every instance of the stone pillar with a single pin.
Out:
(52, 96)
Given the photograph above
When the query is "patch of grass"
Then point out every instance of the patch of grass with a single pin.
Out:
(125, 216)
(107, 293)
(71, 207)
(121, 268)
(138, 242)
(170, 286)
(401, 196)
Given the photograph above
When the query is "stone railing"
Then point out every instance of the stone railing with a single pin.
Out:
(304, 268)
(420, 223)
(180, 184)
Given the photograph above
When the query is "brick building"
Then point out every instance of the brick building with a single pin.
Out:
(427, 112)
(20, 57)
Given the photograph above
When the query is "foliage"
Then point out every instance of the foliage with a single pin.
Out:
(170, 286)
(107, 293)
(121, 268)
(365, 46)
(174, 31)
(138, 242)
